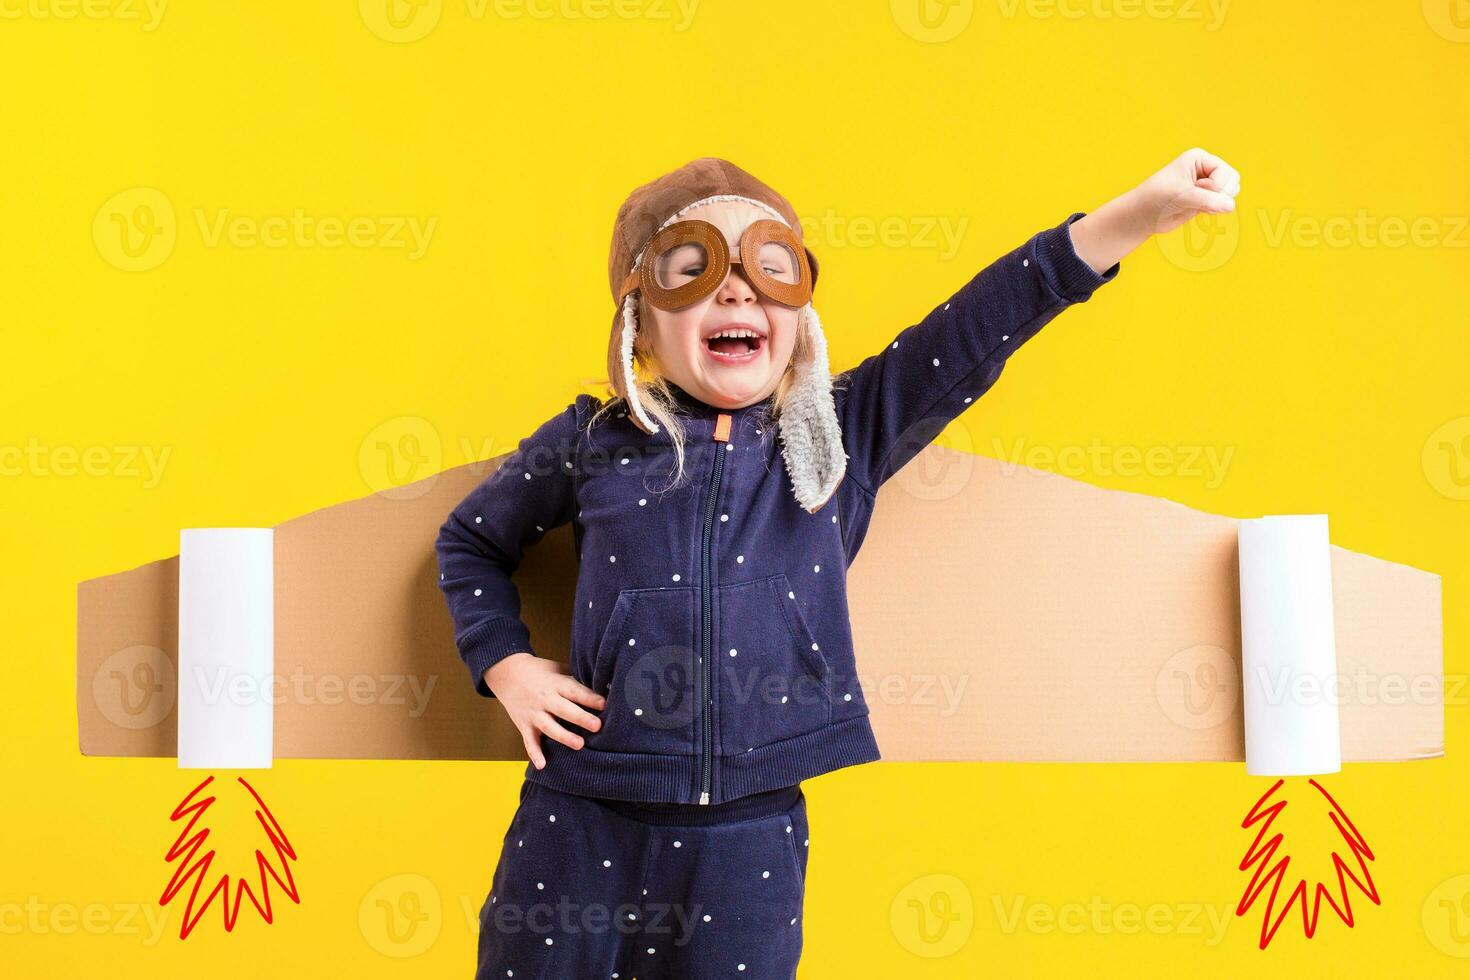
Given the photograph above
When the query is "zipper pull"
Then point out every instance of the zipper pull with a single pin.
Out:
(722, 430)
(703, 797)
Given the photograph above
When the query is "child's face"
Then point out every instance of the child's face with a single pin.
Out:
(724, 373)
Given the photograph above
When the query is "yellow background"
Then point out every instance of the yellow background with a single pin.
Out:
(1331, 368)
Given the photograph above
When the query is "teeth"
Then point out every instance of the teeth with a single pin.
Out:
(737, 332)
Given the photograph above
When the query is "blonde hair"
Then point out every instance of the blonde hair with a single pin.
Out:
(659, 401)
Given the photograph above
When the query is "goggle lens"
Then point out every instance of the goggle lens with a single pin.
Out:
(680, 264)
(778, 261)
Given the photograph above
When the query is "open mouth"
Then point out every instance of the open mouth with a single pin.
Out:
(734, 349)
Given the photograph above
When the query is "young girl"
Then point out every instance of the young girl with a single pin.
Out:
(717, 499)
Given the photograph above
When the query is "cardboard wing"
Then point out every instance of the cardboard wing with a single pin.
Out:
(999, 613)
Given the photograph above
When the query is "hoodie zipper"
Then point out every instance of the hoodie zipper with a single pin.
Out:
(721, 434)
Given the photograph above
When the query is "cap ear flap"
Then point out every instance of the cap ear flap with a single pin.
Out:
(811, 435)
(630, 379)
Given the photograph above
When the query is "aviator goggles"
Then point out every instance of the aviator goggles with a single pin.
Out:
(688, 261)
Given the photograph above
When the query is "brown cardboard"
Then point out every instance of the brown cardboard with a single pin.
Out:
(999, 613)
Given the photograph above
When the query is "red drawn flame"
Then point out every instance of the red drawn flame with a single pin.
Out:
(1266, 872)
(195, 864)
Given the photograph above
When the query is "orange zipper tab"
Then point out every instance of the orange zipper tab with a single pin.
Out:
(722, 428)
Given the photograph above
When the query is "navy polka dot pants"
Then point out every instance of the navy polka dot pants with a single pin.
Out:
(592, 889)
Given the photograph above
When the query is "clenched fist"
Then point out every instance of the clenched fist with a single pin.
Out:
(1195, 182)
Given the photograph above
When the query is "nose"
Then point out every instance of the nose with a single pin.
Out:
(736, 290)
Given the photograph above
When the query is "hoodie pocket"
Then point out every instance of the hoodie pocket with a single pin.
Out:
(644, 666)
(773, 680)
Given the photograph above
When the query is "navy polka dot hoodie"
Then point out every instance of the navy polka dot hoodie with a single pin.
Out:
(713, 616)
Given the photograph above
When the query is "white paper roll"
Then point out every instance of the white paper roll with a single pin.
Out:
(1289, 662)
(226, 648)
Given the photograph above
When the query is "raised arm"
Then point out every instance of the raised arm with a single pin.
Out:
(898, 400)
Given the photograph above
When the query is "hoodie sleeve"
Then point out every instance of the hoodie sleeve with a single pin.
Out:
(899, 400)
(481, 543)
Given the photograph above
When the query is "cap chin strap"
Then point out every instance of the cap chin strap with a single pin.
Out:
(630, 381)
(811, 436)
